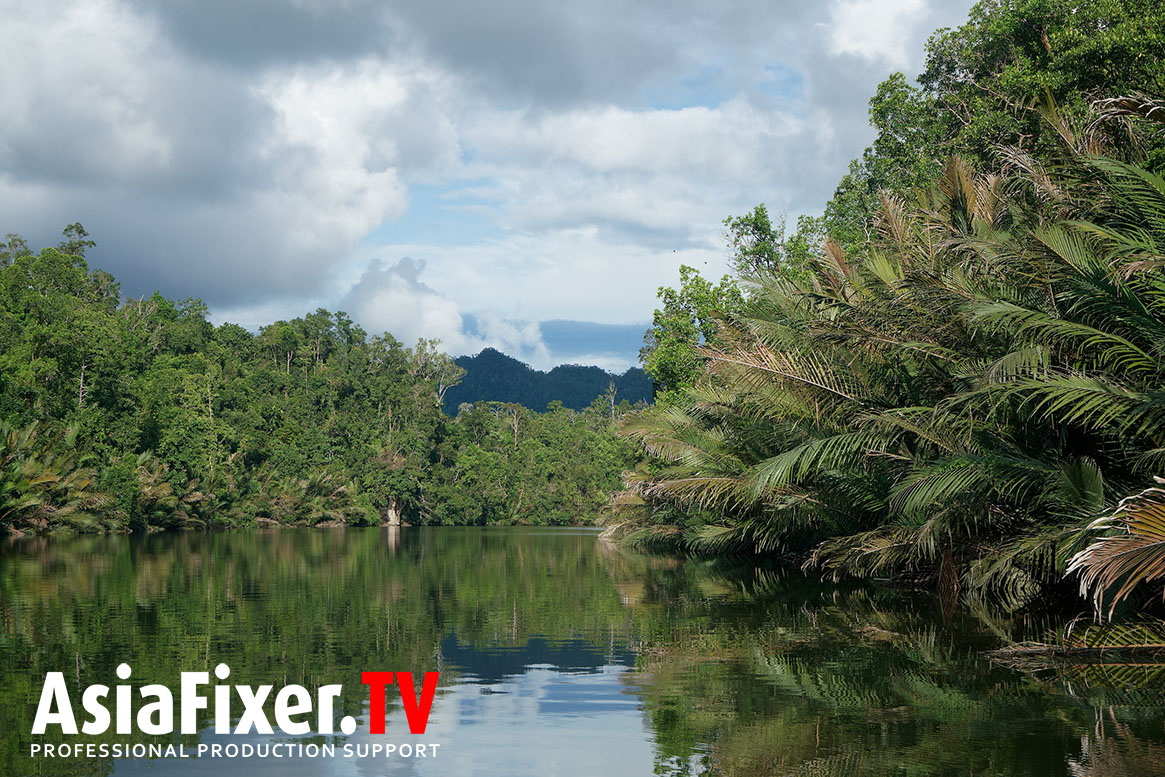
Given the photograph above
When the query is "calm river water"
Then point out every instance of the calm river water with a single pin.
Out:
(559, 655)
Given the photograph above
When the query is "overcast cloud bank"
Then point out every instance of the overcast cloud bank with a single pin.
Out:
(427, 164)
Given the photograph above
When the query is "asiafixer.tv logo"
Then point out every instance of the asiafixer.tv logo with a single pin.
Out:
(234, 709)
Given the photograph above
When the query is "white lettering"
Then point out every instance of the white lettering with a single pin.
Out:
(54, 691)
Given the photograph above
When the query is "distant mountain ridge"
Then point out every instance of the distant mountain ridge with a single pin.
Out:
(491, 376)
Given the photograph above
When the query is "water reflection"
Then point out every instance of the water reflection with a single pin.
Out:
(559, 655)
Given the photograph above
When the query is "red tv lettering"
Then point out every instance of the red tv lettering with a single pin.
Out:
(376, 682)
(418, 714)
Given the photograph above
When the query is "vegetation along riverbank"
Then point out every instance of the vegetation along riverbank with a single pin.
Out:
(135, 415)
(952, 377)
(963, 386)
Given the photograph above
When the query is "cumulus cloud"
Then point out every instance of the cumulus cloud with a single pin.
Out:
(569, 273)
(342, 139)
(266, 155)
(659, 175)
(874, 29)
(394, 299)
(522, 339)
(88, 116)
(194, 180)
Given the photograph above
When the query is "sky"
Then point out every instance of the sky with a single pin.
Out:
(515, 174)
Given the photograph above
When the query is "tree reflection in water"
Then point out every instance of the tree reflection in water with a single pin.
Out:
(736, 671)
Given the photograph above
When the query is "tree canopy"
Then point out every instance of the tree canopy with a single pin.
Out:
(961, 382)
(140, 413)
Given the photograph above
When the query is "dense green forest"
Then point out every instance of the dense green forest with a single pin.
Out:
(136, 414)
(954, 376)
(491, 376)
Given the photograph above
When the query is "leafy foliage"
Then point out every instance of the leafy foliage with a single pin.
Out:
(965, 370)
(953, 403)
(1130, 552)
(42, 480)
(176, 423)
(686, 321)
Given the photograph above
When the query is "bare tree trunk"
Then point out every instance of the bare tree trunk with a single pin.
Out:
(390, 513)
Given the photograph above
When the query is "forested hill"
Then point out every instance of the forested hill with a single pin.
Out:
(491, 376)
(139, 414)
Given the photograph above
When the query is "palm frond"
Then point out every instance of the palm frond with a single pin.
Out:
(1131, 554)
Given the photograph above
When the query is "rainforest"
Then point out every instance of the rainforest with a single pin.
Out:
(952, 378)
(141, 415)
(896, 504)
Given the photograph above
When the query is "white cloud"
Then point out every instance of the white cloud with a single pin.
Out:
(235, 187)
(563, 274)
(251, 168)
(335, 150)
(672, 173)
(876, 30)
(393, 299)
(92, 95)
(522, 339)
(724, 141)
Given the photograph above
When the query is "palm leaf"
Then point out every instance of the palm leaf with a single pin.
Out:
(1131, 555)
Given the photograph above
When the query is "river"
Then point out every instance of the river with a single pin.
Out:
(559, 654)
